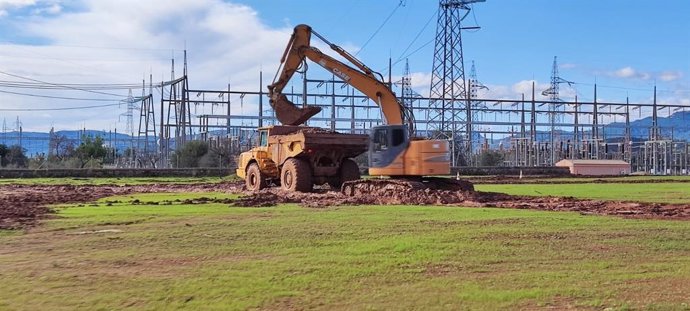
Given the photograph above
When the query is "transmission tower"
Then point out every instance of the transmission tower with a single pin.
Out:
(130, 101)
(406, 86)
(450, 118)
(556, 109)
(475, 86)
(147, 127)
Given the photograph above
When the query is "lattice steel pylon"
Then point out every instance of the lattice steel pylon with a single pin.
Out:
(451, 117)
(556, 109)
(478, 107)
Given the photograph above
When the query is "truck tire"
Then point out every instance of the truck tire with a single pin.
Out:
(255, 180)
(349, 170)
(296, 175)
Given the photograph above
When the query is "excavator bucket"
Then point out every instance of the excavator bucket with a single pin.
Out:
(289, 114)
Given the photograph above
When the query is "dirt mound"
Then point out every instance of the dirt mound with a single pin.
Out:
(621, 208)
(394, 193)
(23, 205)
(321, 198)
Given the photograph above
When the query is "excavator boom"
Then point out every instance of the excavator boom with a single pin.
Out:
(393, 151)
(364, 79)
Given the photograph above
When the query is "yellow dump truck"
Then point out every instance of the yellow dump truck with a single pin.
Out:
(299, 157)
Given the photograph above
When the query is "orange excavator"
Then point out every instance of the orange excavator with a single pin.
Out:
(393, 151)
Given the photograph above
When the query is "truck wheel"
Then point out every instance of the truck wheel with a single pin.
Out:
(296, 175)
(349, 170)
(254, 181)
(334, 182)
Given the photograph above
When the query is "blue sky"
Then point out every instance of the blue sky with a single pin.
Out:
(626, 46)
(592, 38)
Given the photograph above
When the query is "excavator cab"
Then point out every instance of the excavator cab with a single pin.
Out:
(386, 144)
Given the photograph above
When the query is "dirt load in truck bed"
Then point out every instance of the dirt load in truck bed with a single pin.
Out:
(314, 139)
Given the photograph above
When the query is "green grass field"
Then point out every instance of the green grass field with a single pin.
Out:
(652, 192)
(216, 257)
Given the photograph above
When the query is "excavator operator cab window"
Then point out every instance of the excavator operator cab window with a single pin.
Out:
(381, 139)
(398, 137)
(263, 138)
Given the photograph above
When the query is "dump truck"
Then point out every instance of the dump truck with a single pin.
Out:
(299, 157)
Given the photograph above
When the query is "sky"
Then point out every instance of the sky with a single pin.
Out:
(626, 47)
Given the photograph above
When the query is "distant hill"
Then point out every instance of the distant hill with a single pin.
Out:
(676, 125)
(37, 142)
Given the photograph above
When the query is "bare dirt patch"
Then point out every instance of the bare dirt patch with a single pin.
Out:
(402, 195)
(23, 205)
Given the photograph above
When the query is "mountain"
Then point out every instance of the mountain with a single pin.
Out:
(676, 125)
(38, 143)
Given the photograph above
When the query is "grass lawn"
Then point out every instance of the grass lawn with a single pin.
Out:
(114, 180)
(651, 192)
(216, 257)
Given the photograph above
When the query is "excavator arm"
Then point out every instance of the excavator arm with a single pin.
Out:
(362, 78)
(393, 151)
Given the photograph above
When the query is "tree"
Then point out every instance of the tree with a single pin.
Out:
(491, 158)
(215, 157)
(13, 156)
(61, 147)
(3, 154)
(91, 149)
(189, 154)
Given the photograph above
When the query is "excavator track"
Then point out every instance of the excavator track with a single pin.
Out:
(393, 186)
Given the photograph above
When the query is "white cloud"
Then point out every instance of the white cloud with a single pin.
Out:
(51, 9)
(668, 76)
(16, 3)
(6, 5)
(632, 73)
(567, 66)
(123, 41)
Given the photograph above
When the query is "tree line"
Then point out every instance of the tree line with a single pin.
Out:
(92, 152)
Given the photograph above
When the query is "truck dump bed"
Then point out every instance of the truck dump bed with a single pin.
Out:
(296, 141)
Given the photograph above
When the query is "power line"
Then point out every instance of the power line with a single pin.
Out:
(60, 97)
(33, 85)
(401, 3)
(415, 38)
(99, 47)
(631, 88)
(57, 109)
(65, 86)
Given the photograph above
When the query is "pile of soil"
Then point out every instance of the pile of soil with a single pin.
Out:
(399, 194)
(586, 207)
(23, 205)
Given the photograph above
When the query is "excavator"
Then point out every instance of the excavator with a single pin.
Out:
(393, 152)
